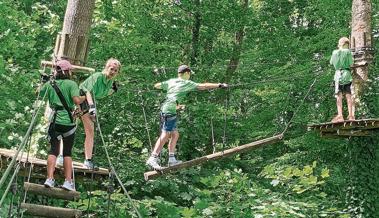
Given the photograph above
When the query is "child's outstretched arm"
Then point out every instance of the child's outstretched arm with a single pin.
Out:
(206, 86)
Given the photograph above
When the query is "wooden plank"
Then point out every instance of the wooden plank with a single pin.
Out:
(76, 67)
(229, 152)
(78, 167)
(51, 192)
(48, 211)
(346, 133)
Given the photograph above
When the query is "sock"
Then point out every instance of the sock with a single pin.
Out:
(154, 155)
(171, 156)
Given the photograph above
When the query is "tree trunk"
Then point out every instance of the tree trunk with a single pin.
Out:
(72, 42)
(195, 34)
(362, 195)
(237, 48)
(361, 38)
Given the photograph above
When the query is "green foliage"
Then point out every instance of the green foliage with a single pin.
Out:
(286, 44)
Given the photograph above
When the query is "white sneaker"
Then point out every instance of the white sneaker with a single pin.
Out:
(90, 165)
(153, 163)
(173, 162)
(59, 160)
(49, 183)
(69, 186)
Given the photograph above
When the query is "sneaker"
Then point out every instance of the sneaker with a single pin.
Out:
(90, 165)
(49, 183)
(69, 186)
(153, 163)
(337, 119)
(173, 162)
(59, 160)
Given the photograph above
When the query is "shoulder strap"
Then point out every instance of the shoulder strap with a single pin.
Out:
(61, 98)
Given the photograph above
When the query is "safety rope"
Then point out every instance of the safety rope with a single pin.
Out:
(14, 192)
(301, 103)
(92, 159)
(213, 137)
(28, 177)
(145, 119)
(113, 169)
(224, 140)
(110, 191)
(19, 149)
(221, 66)
(243, 85)
(27, 160)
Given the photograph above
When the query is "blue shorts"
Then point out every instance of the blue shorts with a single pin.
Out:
(168, 122)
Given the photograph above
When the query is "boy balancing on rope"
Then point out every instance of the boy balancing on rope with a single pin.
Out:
(342, 60)
(176, 91)
(97, 86)
(63, 95)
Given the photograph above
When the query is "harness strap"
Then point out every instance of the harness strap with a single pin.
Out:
(66, 134)
(61, 135)
(62, 99)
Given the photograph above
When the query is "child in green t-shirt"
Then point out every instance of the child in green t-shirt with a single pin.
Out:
(176, 90)
(62, 124)
(97, 86)
(342, 60)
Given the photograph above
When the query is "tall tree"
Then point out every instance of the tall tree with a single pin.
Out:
(72, 43)
(363, 192)
(195, 33)
(237, 47)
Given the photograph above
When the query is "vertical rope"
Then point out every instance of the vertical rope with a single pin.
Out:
(213, 137)
(224, 140)
(145, 119)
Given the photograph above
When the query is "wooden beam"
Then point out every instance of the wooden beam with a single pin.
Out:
(346, 133)
(76, 67)
(229, 152)
(79, 168)
(47, 211)
(51, 192)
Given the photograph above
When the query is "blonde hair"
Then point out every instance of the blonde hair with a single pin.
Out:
(343, 41)
(112, 61)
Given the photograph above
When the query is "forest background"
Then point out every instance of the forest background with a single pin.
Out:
(271, 51)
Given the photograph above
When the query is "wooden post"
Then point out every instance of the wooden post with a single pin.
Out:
(47, 211)
(72, 43)
(215, 156)
(51, 192)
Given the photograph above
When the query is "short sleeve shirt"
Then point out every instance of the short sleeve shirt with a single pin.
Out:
(342, 59)
(97, 84)
(69, 90)
(177, 90)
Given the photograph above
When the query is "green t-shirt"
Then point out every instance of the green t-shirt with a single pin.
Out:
(176, 92)
(69, 89)
(97, 84)
(342, 59)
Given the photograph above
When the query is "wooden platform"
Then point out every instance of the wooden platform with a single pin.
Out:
(364, 127)
(39, 165)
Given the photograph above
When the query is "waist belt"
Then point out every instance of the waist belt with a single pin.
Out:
(168, 117)
(60, 136)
